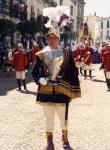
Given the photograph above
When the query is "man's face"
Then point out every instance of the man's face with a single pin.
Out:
(53, 40)
(20, 48)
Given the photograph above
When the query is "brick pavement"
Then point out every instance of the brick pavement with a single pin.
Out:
(22, 125)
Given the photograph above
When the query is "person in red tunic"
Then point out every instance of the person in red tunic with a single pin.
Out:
(33, 51)
(106, 64)
(20, 62)
(77, 56)
(87, 60)
(82, 52)
(104, 48)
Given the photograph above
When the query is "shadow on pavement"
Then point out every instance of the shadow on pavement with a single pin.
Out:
(9, 83)
(28, 92)
(96, 80)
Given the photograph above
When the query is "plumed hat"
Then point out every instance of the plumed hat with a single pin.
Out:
(58, 17)
(54, 31)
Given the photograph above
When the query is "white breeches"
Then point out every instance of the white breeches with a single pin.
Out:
(89, 67)
(49, 112)
(108, 75)
(20, 75)
(79, 64)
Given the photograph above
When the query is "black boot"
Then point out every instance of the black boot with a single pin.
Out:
(19, 84)
(90, 74)
(85, 74)
(24, 84)
(65, 141)
(81, 70)
(50, 144)
(108, 84)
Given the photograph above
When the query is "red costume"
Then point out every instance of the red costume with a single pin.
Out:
(76, 55)
(106, 59)
(33, 51)
(87, 59)
(102, 54)
(106, 64)
(88, 55)
(20, 61)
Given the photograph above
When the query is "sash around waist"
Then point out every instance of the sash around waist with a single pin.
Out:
(60, 88)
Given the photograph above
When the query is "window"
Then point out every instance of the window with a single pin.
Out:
(38, 11)
(32, 11)
(107, 23)
(71, 10)
(107, 35)
(101, 25)
(61, 2)
(32, 8)
(101, 34)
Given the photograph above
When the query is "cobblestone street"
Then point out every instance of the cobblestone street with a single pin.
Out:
(22, 124)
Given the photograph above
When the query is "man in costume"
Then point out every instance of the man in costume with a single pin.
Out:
(33, 51)
(78, 55)
(20, 62)
(77, 58)
(87, 60)
(106, 64)
(57, 77)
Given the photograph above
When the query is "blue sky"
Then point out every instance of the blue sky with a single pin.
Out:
(101, 7)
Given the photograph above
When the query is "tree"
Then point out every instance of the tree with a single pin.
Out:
(67, 37)
(7, 27)
(41, 21)
(74, 35)
(28, 28)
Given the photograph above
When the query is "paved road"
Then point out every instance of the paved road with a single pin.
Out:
(22, 124)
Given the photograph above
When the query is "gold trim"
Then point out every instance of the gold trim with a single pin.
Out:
(67, 92)
(48, 134)
(49, 103)
(65, 83)
(48, 89)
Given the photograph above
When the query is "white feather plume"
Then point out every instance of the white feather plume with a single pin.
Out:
(63, 10)
(54, 14)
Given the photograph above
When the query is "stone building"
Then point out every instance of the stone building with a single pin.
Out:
(80, 14)
(21, 10)
(93, 24)
(104, 29)
(76, 12)
(34, 7)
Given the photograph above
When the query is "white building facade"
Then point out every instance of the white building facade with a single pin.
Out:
(76, 12)
(93, 24)
(104, 29)
(73, 9)
(34, 7)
